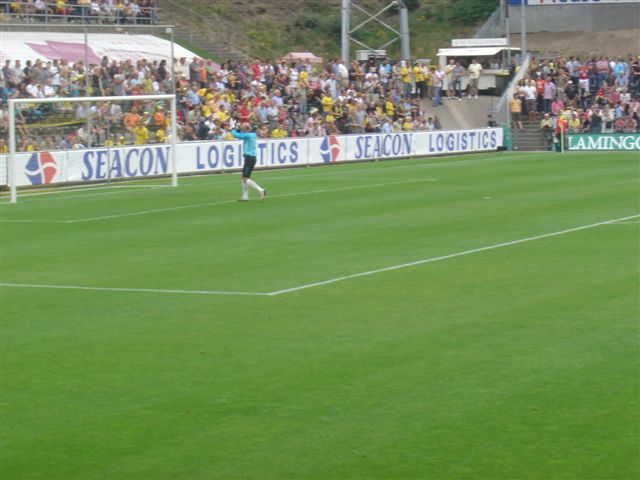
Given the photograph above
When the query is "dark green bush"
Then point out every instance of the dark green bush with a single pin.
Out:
(470, 12)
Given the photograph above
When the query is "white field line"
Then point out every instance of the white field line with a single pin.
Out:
(109, 191)
(133, 290)
(446, 257)
(184, 181)
(32, 221)
(332, 280)
(106, 190)
(224, 202)
(221, 202)
(80, 188)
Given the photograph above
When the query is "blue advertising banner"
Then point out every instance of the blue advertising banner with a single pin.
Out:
(101, 164)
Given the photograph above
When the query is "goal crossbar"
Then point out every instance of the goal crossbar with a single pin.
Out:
(122, 98)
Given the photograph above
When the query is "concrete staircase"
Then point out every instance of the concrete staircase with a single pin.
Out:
(210, 33)
(530, 139)
(465, 114)
(207, 41)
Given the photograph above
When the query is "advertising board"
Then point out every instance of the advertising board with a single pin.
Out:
(101, 164)
(627, 142)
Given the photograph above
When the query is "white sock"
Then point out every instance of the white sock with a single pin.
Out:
(245, 190)
(253, 184)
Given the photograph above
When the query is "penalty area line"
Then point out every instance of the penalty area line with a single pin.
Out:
(132, 290)
(446, 257)
(331, 280)
(227, 202)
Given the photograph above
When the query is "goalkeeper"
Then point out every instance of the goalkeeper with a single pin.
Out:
(249, 152)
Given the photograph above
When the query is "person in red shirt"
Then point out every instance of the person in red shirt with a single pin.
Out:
(613, 97)
(540, 84)
(583, 76)
(255, 70)
(243, 113)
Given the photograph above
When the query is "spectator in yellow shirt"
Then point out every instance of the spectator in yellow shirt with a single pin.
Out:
(222, 115)
(141, 134)
(279, 132)
(303, 79)
(515, 107)
(389, 108)
(418, 73)
(327, 103)
(574, 123)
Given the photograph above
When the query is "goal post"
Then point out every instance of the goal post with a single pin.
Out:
(99, 118)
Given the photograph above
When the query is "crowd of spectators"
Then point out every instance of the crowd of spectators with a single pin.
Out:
(83, 11)
(293, 99)
(279, 99)
(595, 95)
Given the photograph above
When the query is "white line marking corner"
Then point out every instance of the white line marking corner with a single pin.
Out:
(331, 280)
(446, 257)
(132, 290)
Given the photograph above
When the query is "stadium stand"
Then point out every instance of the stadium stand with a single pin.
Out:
(278, 98)
(594, 95)
(287, 98)
(82, 11)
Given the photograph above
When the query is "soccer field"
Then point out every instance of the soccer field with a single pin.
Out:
(444, 318)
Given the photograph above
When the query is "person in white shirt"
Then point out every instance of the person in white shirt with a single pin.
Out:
(115, 112)
(49, 90)
(475, 70)
(293, 79)
(437, 77)
(18, 74)
(448, 75)
(530, 94)
(31, 90)
(344, 74)
(386, 126)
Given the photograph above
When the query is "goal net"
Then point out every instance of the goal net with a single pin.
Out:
(76, 140)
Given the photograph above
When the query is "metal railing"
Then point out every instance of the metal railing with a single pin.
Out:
(51, 12)
(492, 27)
(501, 110)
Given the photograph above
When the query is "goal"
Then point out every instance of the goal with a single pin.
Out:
(72, 140)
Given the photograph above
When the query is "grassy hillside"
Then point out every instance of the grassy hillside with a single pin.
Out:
(315, 25)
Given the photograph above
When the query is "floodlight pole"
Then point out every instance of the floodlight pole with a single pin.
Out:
(523, 29)
(507, 31)
(404, 31)
(403, 34)
(346, 6)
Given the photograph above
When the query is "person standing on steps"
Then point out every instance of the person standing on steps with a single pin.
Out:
(458, 72)
(515, 107)
(249, 153)
(475, 70)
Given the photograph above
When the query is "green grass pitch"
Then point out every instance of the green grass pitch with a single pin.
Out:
(471, 317)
